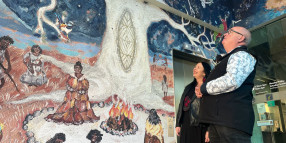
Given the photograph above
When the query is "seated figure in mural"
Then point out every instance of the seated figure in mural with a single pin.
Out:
(35, 75)
(153, 129)
(76, 108)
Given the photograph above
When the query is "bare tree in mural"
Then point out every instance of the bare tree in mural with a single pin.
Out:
(202, 41)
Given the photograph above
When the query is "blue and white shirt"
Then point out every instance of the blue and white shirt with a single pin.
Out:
(239, 66)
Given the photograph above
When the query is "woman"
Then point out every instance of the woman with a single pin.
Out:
(76, 106)
(35, 75)
(187, 125)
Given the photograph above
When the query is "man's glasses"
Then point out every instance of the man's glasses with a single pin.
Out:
(230, 30)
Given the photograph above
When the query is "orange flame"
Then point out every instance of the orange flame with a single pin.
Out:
(121, 110)
(130, 114)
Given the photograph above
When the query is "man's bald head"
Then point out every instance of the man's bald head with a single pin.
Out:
(245, 33)
(235, 37)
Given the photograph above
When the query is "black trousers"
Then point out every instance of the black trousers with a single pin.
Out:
(222, 134)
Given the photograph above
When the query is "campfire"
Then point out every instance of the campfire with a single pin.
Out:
(120, 120)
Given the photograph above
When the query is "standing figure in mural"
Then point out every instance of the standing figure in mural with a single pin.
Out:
(35, 75)
(5, 41)
(187, 123)
(153, 129)
(227, 92)
(94, 136)
(166, 63)
(58, 138)
(76, 108)
(165, 85)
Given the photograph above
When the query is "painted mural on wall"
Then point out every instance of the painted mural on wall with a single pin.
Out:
(250, 13)
(217, 13)
(186, 36)
(79, 71)
(96, 70)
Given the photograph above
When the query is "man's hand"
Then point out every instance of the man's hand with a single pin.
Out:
(207, 139)
(178, 130)
(198, 92)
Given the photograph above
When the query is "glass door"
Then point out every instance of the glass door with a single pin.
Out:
(269, 46)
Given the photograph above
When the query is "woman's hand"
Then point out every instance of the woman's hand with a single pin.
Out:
(198, 92)
(207, 139)
(178, 130)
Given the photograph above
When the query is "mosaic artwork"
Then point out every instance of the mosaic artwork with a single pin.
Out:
(97, 70)
(251, 13)
(71, 72)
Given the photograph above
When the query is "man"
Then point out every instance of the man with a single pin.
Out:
(227, 92)
(5, 41)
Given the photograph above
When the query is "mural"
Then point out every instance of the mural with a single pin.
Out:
(75, 67)
(246, 13)
(218, 13)
(96, 70)
(186, 36)
(250, 13)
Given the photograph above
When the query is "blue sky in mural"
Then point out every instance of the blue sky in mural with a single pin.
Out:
(255, 12)
(87, 19)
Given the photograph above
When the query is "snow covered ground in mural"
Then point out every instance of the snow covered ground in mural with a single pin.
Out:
(44, 130)
(144, 99)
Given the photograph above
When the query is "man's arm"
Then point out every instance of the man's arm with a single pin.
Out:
(7, 56)
(239, 66)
